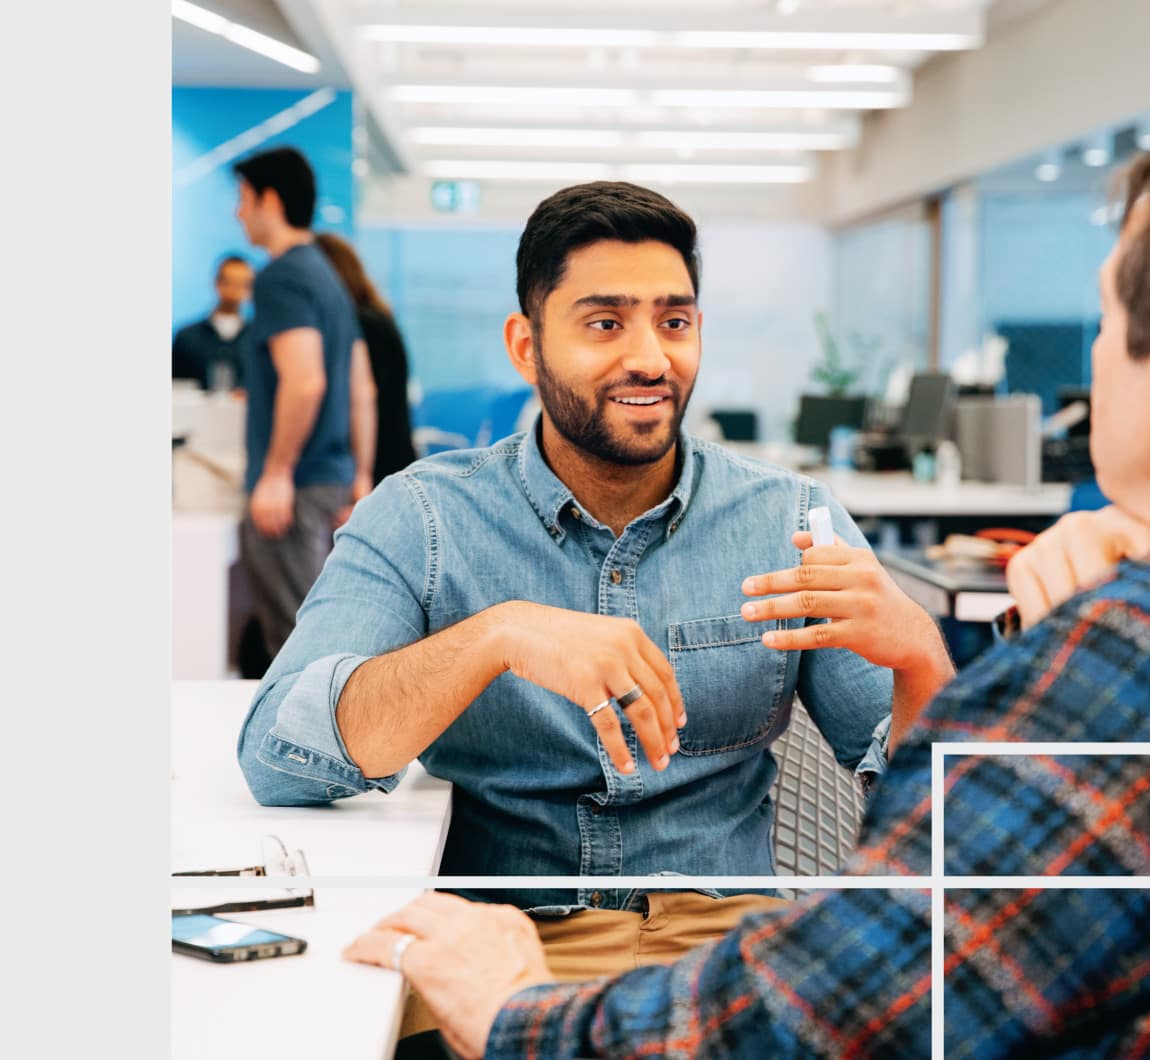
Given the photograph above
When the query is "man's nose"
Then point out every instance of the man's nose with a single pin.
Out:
(646, 356)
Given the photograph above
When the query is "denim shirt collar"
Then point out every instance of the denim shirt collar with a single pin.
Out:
(549, 495)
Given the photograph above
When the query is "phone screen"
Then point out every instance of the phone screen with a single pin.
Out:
(213, 932)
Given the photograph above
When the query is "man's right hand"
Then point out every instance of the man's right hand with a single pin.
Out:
(591, 658)
(1078, 551)
(272, 504)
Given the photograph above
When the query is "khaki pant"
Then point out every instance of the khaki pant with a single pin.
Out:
(597, 942)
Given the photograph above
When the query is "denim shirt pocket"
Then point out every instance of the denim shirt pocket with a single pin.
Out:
(731, 684)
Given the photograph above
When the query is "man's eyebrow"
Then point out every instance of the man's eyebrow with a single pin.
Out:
(624, 301)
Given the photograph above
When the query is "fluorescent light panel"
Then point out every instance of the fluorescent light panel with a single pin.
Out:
(448, 169)
(514, 36)
(451, 169)
(779, 98)
(703, 174)
(854, 74)
(745, 141)
(270, 48)
(498, 94)
(476, 137)
(590, 37)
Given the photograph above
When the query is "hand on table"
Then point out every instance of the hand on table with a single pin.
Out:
(272, 504)
(1078, 551)
(591, 658)
(465, 961)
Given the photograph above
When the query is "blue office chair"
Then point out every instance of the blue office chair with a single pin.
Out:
(466, 417)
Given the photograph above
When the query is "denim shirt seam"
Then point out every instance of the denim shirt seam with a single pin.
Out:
(549, 517)
(431, 542)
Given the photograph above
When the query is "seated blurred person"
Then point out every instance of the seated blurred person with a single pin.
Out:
(213, 351)
(393, 445)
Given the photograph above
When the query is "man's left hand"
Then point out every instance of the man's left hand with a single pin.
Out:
(360, 488)
(870, 615)
(465, 960)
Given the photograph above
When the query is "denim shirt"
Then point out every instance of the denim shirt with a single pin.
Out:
(534, 791)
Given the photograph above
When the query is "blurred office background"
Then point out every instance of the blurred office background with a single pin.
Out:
(884, 189)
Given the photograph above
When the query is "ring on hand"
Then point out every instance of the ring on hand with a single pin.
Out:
(627, 698)
(595, 710)
(398, 949)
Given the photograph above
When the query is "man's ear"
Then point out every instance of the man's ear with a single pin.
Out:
(520, 345)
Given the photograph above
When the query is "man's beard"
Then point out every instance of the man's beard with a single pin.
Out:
(585, 426)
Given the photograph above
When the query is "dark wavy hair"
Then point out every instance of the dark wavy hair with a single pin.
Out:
(588, 213)
(1133, 277)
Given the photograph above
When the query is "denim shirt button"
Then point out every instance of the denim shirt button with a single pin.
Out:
(616, 577)
(597, 899)
(596, 809)
(575, 513)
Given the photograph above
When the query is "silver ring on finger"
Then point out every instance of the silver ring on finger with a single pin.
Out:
(601, 706)
(398, 949)
(629, 697)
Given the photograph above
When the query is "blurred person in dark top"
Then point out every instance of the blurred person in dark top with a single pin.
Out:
(393, 445)
(213, 351)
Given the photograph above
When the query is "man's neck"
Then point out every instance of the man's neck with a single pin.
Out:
(285, 238)
(613, 493)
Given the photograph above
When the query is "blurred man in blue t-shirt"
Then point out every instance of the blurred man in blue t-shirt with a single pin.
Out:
(311, 398)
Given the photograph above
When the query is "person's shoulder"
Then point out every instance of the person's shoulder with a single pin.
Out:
(456, 466)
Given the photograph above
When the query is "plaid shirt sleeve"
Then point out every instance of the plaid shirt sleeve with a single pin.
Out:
(847, 973)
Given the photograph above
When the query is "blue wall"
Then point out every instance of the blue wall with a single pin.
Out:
(451, 290)
(204, 227)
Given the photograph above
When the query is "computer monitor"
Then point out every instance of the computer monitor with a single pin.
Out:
(926, 415)
(819, 414)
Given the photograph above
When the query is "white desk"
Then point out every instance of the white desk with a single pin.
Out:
(216, 823)
(313, 1005)
(292, 1008)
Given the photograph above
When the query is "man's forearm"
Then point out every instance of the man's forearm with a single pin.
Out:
(296, 408)
(393, 706)
(364, 426)
(917, 685)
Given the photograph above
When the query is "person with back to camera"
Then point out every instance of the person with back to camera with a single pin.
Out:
(524, 618)
(385, 349)
(214, 351)
(311, 402)
(1028, 972)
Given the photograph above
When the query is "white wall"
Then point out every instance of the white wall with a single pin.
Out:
(1073, 67)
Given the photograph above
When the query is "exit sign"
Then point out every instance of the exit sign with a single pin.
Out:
(455, 196)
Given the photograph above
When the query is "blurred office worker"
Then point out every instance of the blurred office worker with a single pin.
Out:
(1028, 971)
(311, 402)
(393, 445)
(213, 351)
(526, 617)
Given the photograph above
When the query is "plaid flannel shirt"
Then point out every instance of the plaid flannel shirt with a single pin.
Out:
(1029, 973)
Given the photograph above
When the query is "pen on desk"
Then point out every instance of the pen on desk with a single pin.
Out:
(819, 520)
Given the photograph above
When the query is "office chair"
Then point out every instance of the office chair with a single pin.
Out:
(818, 804)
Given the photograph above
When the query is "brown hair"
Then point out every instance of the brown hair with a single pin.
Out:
(1133, 277)
(346, 262)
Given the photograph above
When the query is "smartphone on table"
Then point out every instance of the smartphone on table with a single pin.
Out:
(215, 938)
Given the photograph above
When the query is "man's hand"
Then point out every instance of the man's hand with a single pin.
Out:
(1078, 551)
(591, 658)
(465, 961)
(272, 504)
(361, 486)
(869, 615)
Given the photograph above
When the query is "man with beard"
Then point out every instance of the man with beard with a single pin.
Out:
(524, 618)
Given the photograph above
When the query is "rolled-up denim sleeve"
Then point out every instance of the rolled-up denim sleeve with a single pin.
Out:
(369, 600)
(848, 698)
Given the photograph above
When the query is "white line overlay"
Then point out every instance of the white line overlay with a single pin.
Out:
(940, 882)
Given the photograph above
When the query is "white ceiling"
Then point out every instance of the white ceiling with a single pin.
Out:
(459, 108)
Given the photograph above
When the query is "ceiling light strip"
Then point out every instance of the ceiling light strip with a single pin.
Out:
(266, 46)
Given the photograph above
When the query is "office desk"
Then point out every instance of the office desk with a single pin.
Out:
(313, 1005)
(305, 1007)
(968, 592)
(216, 823)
